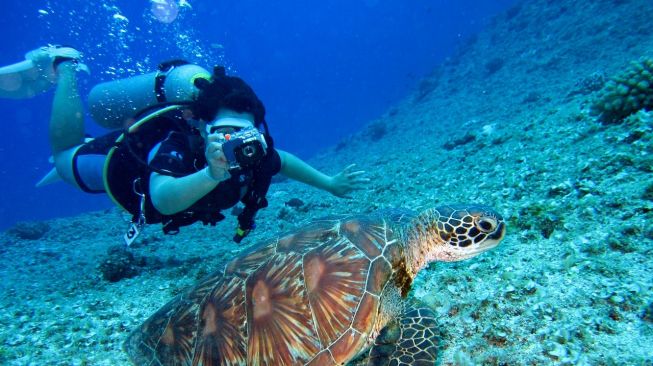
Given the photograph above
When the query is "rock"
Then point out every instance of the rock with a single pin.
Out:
(120, 263)
(29, 230)
(377, 130)
(494, 65)
(295, 203)
(452, 144)
(648, 193)
(560, 190)
(647, 314)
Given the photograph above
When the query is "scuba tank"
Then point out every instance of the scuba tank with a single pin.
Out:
(115, 104)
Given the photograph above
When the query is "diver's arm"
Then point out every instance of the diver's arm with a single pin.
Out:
(339, 185)
(171, 195)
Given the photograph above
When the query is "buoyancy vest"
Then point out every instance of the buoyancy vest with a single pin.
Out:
(127, 174)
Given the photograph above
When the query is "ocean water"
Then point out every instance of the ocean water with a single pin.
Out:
(323, 69)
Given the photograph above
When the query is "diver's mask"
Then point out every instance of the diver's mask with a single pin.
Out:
(227, 125)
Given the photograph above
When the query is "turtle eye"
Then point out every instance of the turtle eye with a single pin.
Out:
(487, 224)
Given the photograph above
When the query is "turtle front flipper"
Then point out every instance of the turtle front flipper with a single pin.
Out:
(411, 340)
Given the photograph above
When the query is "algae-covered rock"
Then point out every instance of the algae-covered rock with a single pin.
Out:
(539, 216)
(120, 263)
(29, 230)
(626, 93)
(647, 314)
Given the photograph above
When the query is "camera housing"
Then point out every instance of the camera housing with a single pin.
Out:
(244, 149)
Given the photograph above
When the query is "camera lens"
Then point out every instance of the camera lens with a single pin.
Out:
(249, 151)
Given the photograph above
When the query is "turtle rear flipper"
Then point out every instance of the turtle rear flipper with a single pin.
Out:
(411, 340)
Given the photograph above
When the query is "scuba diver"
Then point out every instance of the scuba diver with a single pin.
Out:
(185, 145)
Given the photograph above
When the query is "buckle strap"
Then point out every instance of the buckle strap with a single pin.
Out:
(159, 91)
(160, 79)
(171, 224)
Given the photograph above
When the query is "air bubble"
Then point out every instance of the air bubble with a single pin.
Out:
(165, 11)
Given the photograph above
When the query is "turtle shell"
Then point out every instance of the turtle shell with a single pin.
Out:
(310, 297)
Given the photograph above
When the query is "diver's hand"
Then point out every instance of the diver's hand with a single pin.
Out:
(343, 183)
(217, 162)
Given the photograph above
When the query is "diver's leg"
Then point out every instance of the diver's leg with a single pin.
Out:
(66, 123)
(67, 119)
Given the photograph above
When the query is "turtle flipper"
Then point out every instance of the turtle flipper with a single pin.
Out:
(411, 340)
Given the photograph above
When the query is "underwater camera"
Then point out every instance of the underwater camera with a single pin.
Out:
(244, 149)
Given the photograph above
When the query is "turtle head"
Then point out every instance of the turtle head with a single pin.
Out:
(453, 233)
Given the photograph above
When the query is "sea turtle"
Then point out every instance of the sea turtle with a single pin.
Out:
(330, 293)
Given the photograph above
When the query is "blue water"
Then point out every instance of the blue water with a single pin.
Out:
(323, 69)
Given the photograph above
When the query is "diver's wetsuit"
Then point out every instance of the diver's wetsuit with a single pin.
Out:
(181, 153)
(176, 157)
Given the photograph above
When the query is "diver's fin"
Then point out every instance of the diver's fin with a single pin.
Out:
(83, 67)
(23, 80)
(35, 74)
(49, 178)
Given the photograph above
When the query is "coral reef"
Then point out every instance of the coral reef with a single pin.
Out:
(626, 93)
